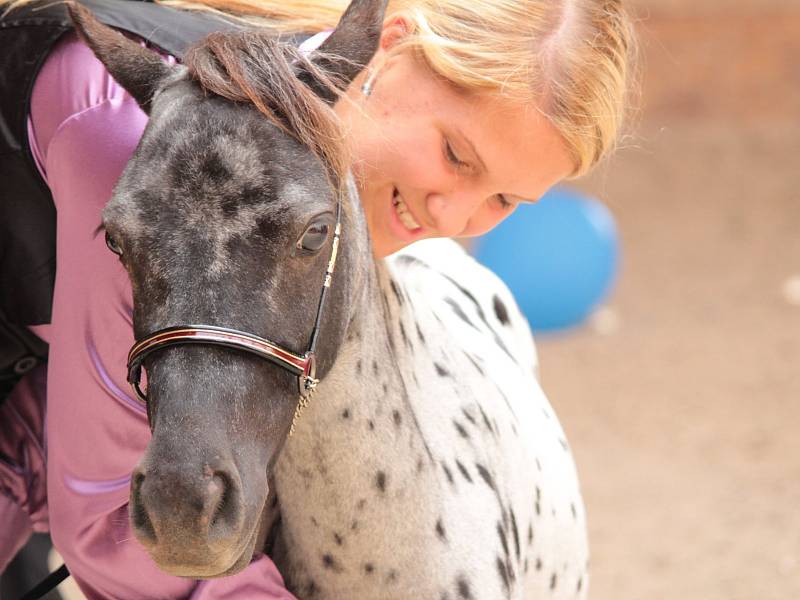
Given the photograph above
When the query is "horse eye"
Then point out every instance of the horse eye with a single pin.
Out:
(314, 237)
(113, 245)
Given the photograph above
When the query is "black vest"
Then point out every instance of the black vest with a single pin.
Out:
(27, 213)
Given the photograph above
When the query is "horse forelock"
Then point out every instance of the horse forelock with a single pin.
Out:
(253, 68)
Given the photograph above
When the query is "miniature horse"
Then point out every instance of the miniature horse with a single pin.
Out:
(427, 463)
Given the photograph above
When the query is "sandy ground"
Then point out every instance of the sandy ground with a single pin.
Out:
(684, 416)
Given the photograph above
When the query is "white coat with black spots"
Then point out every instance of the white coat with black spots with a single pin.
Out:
(430, 464)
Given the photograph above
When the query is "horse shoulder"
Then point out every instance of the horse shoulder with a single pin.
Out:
(468, 302)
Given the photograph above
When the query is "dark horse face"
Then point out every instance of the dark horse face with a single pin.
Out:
(223, 218)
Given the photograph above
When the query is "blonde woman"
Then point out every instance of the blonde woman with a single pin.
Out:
(467, 109)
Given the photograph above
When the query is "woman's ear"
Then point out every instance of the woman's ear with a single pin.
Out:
(395, 29)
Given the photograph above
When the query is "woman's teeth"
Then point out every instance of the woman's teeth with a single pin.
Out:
(402, 211)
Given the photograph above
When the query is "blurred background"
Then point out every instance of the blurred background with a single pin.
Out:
(681, 393)
(681, 396)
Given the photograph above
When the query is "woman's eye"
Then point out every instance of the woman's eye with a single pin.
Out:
(504, 204)
(314, 237)
(113, 245)
(452, 158)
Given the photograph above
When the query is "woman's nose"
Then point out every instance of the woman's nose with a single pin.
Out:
(451, 213)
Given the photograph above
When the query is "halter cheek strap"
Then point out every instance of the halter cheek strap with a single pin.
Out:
(303, 366)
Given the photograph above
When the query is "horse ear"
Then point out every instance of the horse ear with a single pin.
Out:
(349, 48)
(135, 68)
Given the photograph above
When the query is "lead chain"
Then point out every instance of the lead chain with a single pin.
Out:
(302, 404)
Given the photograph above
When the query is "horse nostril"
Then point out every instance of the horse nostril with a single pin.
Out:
(222, 499)
(140, 520)
(137, 478)
(168, 504)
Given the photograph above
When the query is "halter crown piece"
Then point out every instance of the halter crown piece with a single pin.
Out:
(301, 365)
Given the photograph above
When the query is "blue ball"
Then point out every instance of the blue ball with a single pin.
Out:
(559, 257)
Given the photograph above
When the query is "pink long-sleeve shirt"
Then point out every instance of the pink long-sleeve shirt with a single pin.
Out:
(71, 434)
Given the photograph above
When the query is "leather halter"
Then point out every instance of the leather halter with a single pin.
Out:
(301, 365)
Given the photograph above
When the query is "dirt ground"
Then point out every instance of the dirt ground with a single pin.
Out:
(682, 400)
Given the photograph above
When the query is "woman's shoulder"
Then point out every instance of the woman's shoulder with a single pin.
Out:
(71, 81)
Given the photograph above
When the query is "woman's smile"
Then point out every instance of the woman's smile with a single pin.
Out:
(402, 222)
(404, 212)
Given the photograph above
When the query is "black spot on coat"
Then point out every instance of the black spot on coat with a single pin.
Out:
(459, 312)
(468, 416)
(486, 421)
(396, 290)
(500, 310)
(475, 364)
(464, 471)
(485, 475)
(515, 532)
(440, 533)
(404, 335)
(503, 539)
(463, 589)
(441, 371)
(380, 481)
(329, 562)
(481, 315)
(503, 571)
(448, 473)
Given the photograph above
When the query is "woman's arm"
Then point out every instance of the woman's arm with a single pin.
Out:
(84, 128)
(23, 494)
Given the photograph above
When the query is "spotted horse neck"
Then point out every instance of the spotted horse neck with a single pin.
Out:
(431, 464)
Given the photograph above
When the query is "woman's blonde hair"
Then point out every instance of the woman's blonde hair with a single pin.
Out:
(571, 58)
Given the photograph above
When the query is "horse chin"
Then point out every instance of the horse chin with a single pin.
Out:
(214, 569)
(207, 572)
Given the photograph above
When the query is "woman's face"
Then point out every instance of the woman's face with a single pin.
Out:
(431, 161)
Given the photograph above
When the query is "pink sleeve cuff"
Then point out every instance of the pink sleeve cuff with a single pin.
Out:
(259, 581)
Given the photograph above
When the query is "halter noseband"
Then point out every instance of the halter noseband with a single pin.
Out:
(303, 366)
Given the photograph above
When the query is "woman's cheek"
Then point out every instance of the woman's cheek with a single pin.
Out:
(421, 166)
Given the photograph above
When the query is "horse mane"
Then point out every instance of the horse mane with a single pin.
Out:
(249, 66)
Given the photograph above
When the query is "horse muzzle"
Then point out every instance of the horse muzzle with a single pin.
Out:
(191, 517)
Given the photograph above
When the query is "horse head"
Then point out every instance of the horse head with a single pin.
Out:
(225, 216)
